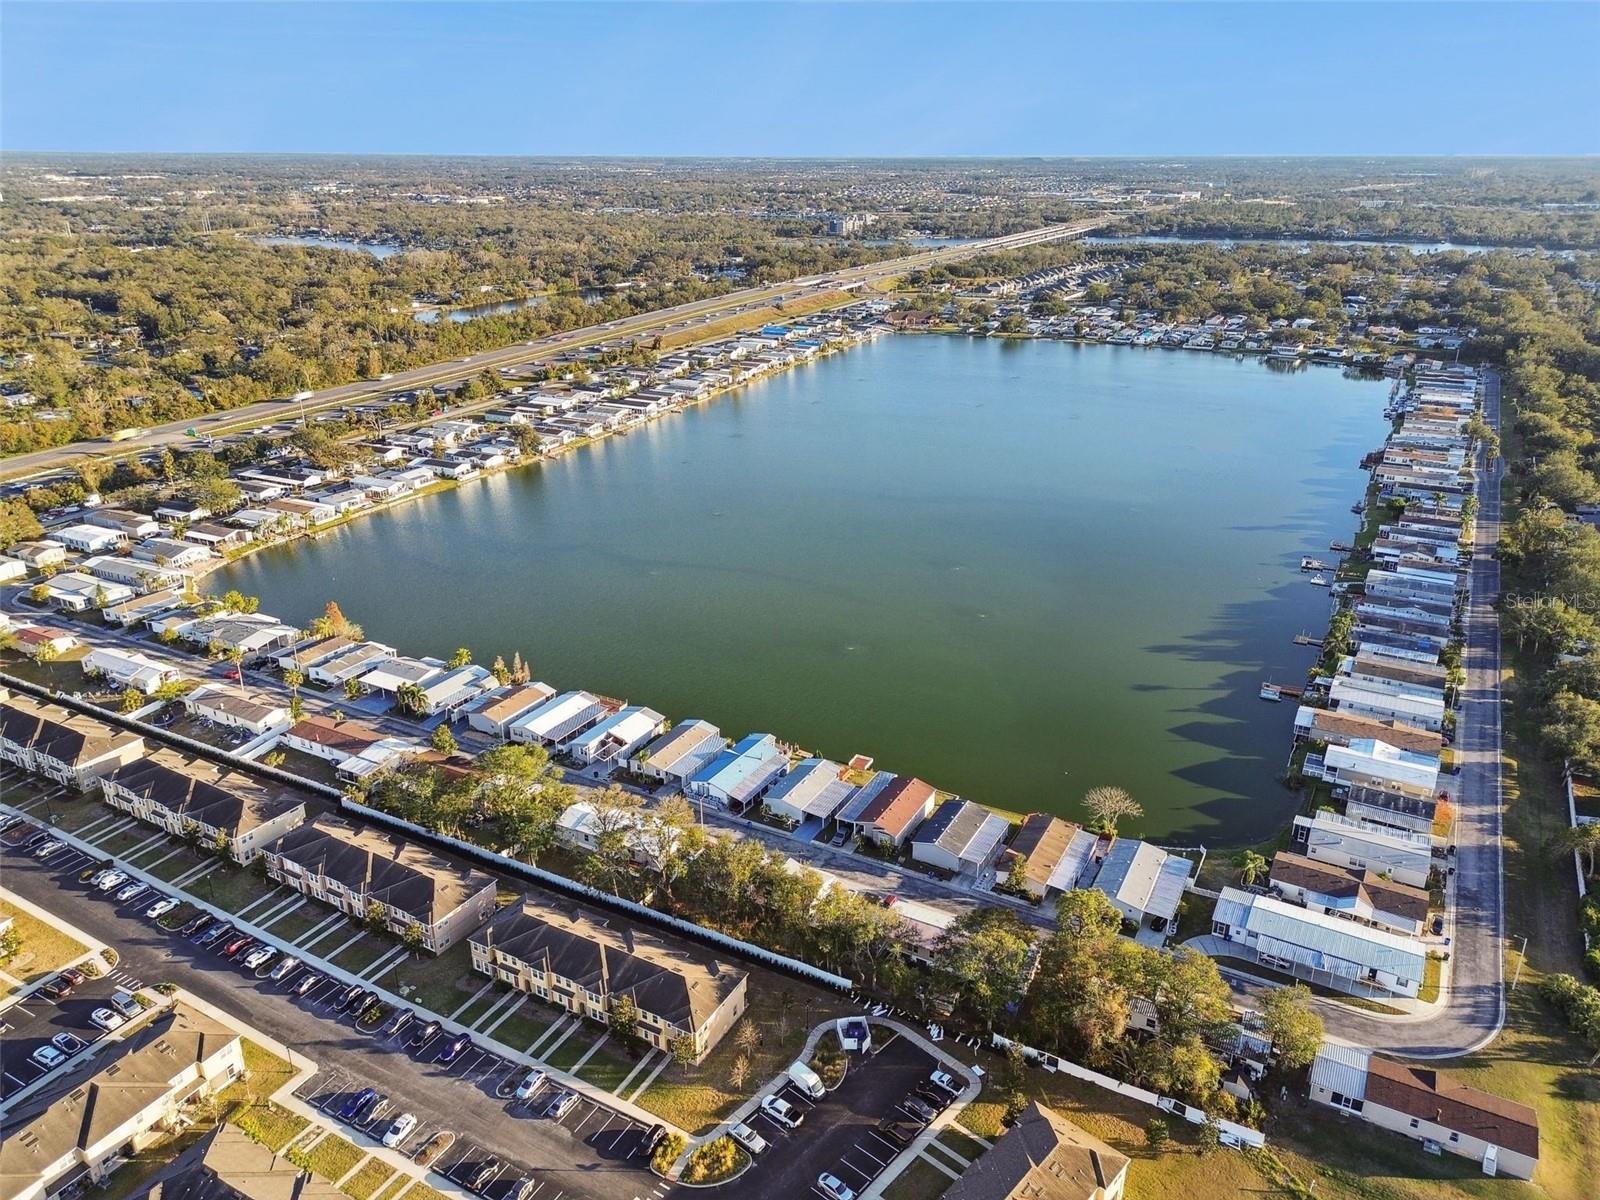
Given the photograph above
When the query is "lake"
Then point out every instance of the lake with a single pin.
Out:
(376, 249)
(1016, 568)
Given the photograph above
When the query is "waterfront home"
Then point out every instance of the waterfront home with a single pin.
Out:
(1379, 807)
(1428, 1106)
(1341, 728)
(177, 510)
(1424, 712)
(128, 669)
(888, 808)
(215, 537)
(349, 662)
(1376, 671)
(398, 671)
(37, 556)
(449, 691)
(1331, 838)
(360, 870)
(74, 591)
(181, 795)
(87, 539)
(617, 736)
(1044, 1156)
(558, 719)
(134, 527)
(679, 754)
(303, 512)
(585, 962)
(961, 837)
(1403, 584)
(169, 552)
(813, 790)
(255, 714)
(308, 652)
(1055, 855)
(493, 711)
(1356, 893)
(34, 640)
(1369, 763)
(141, 608)
(253, 635)
(1319, 947)
(379, 488)
(86, 1121)
(1422, 616)
(737, 776)
(134, 573)
(46, 739)
(1144, 882)
(1373, 638)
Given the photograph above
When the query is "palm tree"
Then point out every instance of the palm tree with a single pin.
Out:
(1251, 867)
(1583, 840)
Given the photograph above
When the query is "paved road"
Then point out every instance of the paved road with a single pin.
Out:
(666, 320)
(459, 1096)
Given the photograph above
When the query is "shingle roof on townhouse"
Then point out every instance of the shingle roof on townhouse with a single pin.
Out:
(200, 791)
(1043, 1156)
(686, 742)
(610, 960)
(402, 874)
(86, 1105)
(234, 1166)
(58, 733)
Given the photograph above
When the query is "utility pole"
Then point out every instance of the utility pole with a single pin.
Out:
(1522, 957)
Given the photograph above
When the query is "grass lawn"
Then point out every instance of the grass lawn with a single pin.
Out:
(248, 1102)
(332, 1157)
(919, 1181)
(1432, 973)
(185, 860)
(523, 1027)
(394, 1187)
(438, 984)
(124, 840)
(963, 1145)
(421, 1191)
(132, 1180)
(44, 947)
(232, 888)
(268, 1123)
(577, 1043)
(751, 320)
(291, 925)
(365, 1182)
(365, 952)
(782, 1012)
(608, 1067)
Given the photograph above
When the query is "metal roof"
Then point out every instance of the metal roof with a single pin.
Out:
(1340, 1068)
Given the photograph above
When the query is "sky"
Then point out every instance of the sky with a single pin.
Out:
(783, 79)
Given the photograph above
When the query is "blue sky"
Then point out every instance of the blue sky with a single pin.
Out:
(802, 79)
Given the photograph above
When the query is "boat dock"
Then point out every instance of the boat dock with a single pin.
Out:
(1275, 692)
(1305, 639)
(1341, 547)
(1314, 564)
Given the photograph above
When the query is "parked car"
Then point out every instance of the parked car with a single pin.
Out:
(834, 1187)
(48, 1057)
(898, 1130)
(371, 1108)
(305, 983)
(945, 1082)
(353, 1105)
(240, 946)
(530, 1085)
(349, 997)
(107, 1019)
(560, 1104)
(63, 985)
(455, 1049)
(397, 1022)
(67, 1043)
(161, 907)
(260, 957)
(919, 1108)
(111, 880)
(196, 925)
(424, 1031)
(49, 848)
(839, 838)
(126, 1003)
(748, 1138)
(782, 1112)
(399, 1130)
(280, 972)
(214, 934)
(94, 880)
(132, 892)
(481, 1176)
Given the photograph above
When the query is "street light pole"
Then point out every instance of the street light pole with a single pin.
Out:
(1522, 957)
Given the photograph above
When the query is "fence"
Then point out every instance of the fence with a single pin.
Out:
(1233, 1134)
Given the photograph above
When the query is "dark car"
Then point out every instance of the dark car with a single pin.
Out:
(397, 1022)
(931, 1096)
(371, 1107)
(1438, 926)
(919, 1108)
(196, 925)
(423, 1033)
(354, 997)
(455, 1049)
(899, 1130)
(355, 1103)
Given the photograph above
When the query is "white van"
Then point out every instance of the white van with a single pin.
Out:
(807, 1080)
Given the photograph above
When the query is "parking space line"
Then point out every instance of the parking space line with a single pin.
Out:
(928, 1158)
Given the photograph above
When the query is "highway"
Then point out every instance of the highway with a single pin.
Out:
(658, 321)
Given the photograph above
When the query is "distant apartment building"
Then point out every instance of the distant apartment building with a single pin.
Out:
(60, 744)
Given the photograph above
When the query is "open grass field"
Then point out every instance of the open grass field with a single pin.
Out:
(44, 948)
(920, 1181)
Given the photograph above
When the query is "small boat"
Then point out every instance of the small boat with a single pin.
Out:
(1319, 580)
(1358, 508)
(1313, 564)
(1269, 691)
(1341, 547)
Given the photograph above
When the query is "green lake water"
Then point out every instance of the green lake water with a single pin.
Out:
(1017, 569)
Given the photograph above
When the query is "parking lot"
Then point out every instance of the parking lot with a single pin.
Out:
(32, 1023)
(841, 1133)
(591, 1150)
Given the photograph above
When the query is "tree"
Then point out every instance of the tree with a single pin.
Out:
(461, 658)
(1109, 805)
(410, 698)
(333, 623)
(442, 739)
(1252, 867)
(980, 960)
(353, 689)
(414, 939)
(624, 1023)
(616, 825)
(376, 917)
(293, 678)
(501, 673)
(236, 601)
(684, 1054)
(131, 701)
(1572, 728)
(1583, 840)
(17, 523)
(1296, 1031)
(191, 834)
(1156, 1133)
(520, 671)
